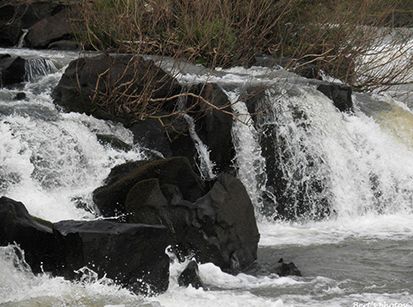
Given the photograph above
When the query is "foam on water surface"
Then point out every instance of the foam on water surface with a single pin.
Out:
(52, 161)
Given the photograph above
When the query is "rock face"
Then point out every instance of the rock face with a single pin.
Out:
(340, 94)
(50, 29)
(126, 253)
(12, 70)
(110, 199)
(190, 276)
(214, 125)
(34, 237)
(167, 192)
(151, 134)
(88, 81)
(18, 15)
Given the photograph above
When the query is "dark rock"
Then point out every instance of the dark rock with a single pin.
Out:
(340, 94)
(12, 70)
(206, 228)
(20, 96)
(253, 97)
(64, 45)
(50, 29)
(87, 81)
(10, 25)
(190, 276)
(33, 235)
(214, 124)
(133, 255)
(151, 134)
(168, 192)
(287, 269)
(35, 10)
(113, 141)
(17, 15)
(110, 199)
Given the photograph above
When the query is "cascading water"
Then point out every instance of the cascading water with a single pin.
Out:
(38, 67)
(206, 166)
(327, 159)
(354, 169)
(249, 160)
(20, 44)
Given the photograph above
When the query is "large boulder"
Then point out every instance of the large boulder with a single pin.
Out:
(110, 199)
(18, 15)
(208, 227)
(12, 70)
(90, 82)
(34, 236)
(217, 227)
(50, 29)
(133, 255)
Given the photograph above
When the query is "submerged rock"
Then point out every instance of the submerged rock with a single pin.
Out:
(216, 226)
(133, 255)
(190, 276)
(287, 269)
(20, 96)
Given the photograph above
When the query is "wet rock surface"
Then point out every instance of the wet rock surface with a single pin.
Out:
(199, 216)
(34, 236)
(133, 255)
(190, 276)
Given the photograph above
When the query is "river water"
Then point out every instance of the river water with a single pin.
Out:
(52, 161)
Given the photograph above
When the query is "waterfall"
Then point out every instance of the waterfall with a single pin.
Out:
(37, 67)
(206, 166)
(322, 162)
(249, 160)
(20, 44)
(333, 191)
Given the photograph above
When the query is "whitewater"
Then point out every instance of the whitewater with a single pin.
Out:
(363, 253)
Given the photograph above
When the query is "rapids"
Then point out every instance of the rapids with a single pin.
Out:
(52, 161)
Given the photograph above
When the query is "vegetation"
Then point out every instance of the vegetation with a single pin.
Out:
(330, 35)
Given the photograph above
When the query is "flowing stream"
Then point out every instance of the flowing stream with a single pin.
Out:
(360, 163)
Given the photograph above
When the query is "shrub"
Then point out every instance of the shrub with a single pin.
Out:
(331, 35)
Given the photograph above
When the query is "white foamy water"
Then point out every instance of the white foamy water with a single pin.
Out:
(52, 161)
